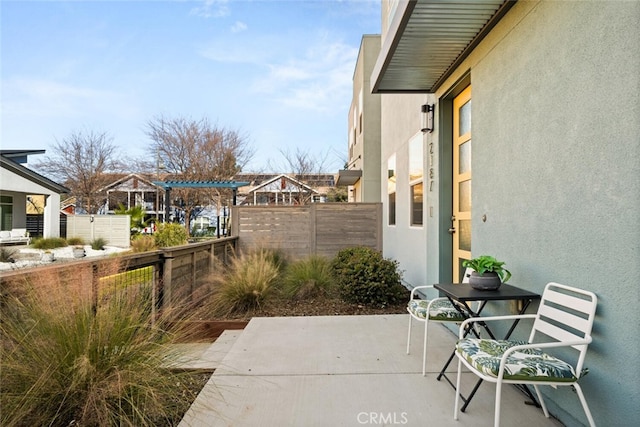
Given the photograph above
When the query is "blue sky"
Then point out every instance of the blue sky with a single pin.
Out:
(280, 72)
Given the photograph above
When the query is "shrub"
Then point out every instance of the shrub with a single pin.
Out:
(250, 281)
(50, 243)
(75, 241)
(170, 234)
(98, 244)
(309, 277)
(65, 363)
(143, 243)
(363, 276)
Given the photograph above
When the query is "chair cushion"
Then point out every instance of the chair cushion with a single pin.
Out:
(524, 365)
(441, 310)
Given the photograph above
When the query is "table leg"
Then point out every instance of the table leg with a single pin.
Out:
(467, 314)
(515, 323)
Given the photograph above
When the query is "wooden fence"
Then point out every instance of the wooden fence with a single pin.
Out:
(300, 231)
(177, 274)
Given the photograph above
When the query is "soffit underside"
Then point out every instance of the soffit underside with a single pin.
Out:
(428, 38)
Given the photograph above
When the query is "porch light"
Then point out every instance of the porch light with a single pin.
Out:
(428, 112)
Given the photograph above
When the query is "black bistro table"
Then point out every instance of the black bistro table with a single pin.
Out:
(461, 294)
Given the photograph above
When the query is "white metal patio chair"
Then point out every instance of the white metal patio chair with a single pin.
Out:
(564, 320)
(436, 310)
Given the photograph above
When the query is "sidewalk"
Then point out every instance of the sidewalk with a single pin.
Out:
(343, 371)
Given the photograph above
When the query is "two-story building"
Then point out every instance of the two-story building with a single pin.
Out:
(512, 128)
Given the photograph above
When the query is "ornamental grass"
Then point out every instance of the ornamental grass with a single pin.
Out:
(250, 281)
(67, 361)
(309, 277)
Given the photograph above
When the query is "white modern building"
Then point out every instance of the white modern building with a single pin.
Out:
(17, 182)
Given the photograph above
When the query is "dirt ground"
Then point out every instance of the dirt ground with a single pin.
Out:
(318, 307)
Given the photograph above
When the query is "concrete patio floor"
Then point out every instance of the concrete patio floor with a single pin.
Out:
(340, 371)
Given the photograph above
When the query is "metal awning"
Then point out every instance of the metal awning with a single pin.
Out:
(428, 39)
(348, 177)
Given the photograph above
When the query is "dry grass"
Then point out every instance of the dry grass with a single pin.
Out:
(250, 281)
(66, 360)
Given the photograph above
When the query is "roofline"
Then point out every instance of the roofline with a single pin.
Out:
(124, 178)
(27, 173)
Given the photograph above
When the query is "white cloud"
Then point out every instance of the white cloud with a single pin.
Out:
(316, 81)
(238, 27)
(24, 97)
(212, 9)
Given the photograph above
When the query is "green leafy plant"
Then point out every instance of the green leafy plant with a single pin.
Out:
(137, 217)
(486, 263)
(98, 244)
(170, 234)
(67, 362)
(50, 243)
(250, 281)
(308, 277)
(365, 277)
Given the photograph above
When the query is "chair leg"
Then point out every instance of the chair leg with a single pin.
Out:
(541, 400)
(587, 412)
(496, 415)
(424, 349)
(409, 335)
(457, 399)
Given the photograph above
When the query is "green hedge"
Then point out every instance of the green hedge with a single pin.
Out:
(365, 277)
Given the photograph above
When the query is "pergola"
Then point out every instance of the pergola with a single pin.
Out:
(168, 185)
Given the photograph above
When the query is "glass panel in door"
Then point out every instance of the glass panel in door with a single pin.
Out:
(461, 219)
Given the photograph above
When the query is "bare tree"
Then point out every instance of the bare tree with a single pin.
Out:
(304, 167)
(81, 161)
(195, 150)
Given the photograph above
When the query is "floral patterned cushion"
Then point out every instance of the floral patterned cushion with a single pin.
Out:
(441, 310)
(527, 364)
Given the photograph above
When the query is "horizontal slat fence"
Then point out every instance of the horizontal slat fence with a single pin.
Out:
(300, 231)
(177, 274)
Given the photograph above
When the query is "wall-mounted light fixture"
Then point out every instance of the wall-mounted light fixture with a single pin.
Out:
(428, 113)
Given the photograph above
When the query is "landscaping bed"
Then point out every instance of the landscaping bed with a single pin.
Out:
(317, 306)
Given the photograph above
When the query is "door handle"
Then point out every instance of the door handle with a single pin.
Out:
(452, 230)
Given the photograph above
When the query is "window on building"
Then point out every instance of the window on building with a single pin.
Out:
(6, 212)
(416, 173)
(392, 208)
(391, 186)
(416, 204)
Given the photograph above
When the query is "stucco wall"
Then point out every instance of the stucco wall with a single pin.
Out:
(365, 152)
(556, 161)
(400, 123)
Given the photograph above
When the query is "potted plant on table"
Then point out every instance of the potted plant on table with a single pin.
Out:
(488, 273)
